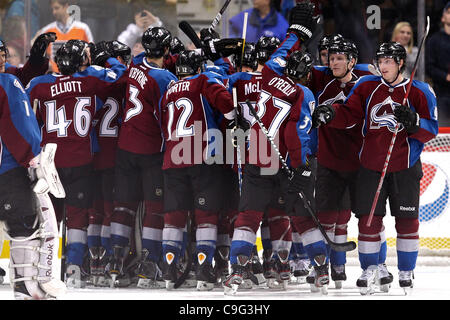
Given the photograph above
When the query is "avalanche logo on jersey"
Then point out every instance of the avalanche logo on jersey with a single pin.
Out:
(434, 192)
(386, 118)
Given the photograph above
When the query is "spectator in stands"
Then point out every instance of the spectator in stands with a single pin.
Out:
(263, 20)
(143, 19)
(403, 34)
(65, 27)
(437, 59)
(17, 9)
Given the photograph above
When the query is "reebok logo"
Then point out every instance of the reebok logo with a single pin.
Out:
(402, 208)
(306, 173)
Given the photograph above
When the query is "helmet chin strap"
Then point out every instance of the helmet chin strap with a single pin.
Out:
(396, 77)
(346, 72)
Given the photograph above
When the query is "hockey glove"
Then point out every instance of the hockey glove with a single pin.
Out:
(102, 52)
(176, 46)
(323, 114)
(301, 20)
(239, 122)
(407, 117)
(300, 179)
(39, 47)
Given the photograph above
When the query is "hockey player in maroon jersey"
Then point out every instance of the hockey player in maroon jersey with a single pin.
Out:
(192, 177)
(138, 174)
(338, 150)
(285, 109)
(376, 103)
(65, 106)
(106, 126)
(37, 63)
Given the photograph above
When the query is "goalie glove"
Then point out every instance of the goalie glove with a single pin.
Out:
(40, 45)
(408, 118)
(301, 20)
(323, 114)
(43, 172)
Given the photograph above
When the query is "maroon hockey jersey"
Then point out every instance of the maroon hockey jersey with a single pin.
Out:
(190, 111)
(372, 102)
(66, 106)
(140, 132)
(338, 149)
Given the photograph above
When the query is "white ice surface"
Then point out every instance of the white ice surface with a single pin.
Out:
(431, 283)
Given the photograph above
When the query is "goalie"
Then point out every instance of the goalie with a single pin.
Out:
(26, 213)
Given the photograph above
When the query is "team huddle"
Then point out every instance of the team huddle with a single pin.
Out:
(170, 165)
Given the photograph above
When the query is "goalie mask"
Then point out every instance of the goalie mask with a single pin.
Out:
(155, 41)
(298, 65)
(71, 56)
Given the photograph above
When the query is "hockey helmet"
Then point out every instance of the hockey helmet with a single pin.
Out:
(343, 46)
(265, 47)
(120, 49)
(155, 41)
(188, 62)
(392, 50)
(70, 56)
(298, 65)
(249, 58)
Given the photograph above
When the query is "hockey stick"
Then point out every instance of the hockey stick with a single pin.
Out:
(190, 32)
(345, 246)
(397, 126)
(218, 17)
(244, 34)
(238, 147)
(188, 252)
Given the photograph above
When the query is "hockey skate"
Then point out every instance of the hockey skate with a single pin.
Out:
(221, 262)
(405, 279)
(148, 273)
(170, 270)
(257, 268)
(300, 269)
(236, 277)
(269, 268)
(96, 268)
(118, 277)
(321, 278)
(367, 280)
(205, 275)
(384, 278)
(338, 275)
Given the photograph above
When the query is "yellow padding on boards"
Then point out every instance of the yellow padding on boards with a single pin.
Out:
(430, 243)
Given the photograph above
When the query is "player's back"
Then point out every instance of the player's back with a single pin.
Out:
(278, 94)
(66, 106)
(140, 132)
(189, 113)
